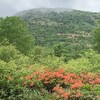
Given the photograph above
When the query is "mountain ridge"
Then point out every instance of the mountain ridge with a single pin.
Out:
(53, 25)
(54, 9)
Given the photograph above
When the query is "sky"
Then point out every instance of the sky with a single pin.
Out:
(10, 7)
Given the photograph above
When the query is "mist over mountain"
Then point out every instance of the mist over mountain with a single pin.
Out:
(9, 7)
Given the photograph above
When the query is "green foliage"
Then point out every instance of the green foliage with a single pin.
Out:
(5, 42)
(50, 26)
(42, 56)
(15, 30)
(93, 56)
(90, 61)
(23, 61)
(79, 65)
(68, 31)
(37, 95)
(8, 53)
(53, 62)
(96, 37)
(37, 54)
(58, 50)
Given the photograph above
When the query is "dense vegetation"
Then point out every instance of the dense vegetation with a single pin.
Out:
(50, 26)
(63, 29)
(50, 54)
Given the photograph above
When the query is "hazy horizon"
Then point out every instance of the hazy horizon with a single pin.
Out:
(11, 7)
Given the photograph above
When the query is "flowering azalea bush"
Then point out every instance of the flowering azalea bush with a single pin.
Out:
(64, 85)
(31, 82)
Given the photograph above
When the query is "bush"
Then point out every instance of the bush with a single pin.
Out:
(37, 54)
(23, 61)
(89, 61)
(79, 65)
(8, 53)
(52, 62)
(65, 85)
(94, 58)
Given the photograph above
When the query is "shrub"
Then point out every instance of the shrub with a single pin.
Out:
(64, 85)
(8, 53)
(79, 65)
(90, 61)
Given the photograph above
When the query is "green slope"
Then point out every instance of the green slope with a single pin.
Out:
(52, 26)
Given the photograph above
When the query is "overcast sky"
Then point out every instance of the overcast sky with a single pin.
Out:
(10, 7)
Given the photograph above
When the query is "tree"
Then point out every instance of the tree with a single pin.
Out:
(15, 30)
(58, 50)
(96, 37)
(8, 53)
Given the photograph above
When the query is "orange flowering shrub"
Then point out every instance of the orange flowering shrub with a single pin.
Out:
(64, 85)
(77, 85)
(60, 93)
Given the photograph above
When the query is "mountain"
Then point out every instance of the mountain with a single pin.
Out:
(51, 26)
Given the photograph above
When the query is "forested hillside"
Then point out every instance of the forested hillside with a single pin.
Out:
(68, 31)
(50, 26)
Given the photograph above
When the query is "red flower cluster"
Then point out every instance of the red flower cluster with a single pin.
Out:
(77, 85)
(60, 93)
(62, 84)
(91, 79)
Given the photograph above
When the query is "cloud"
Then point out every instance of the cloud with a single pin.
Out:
(10, 7)
(88, 5)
